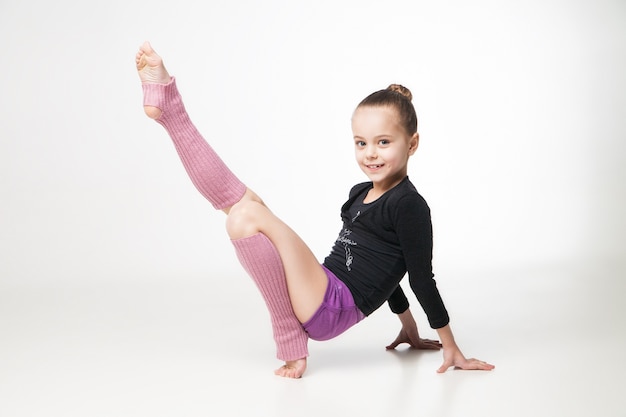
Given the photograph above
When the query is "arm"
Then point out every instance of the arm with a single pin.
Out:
(409, 334)
(415, 234)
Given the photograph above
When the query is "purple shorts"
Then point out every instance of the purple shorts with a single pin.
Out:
(336, 314)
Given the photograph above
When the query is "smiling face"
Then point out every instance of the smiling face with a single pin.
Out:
(382, 146)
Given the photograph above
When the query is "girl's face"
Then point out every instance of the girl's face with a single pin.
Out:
(382, 146)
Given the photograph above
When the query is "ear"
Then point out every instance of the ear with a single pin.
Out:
(414, 143)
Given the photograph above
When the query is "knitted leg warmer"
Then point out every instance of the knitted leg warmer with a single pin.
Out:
(206, 169)
(261, 260)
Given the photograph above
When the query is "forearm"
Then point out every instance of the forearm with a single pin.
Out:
(446, 337)
(407, 319)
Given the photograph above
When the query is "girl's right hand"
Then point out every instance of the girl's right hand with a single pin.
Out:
(411, 336)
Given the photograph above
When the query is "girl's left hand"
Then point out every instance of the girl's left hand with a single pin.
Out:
(413, 339)
(454, 357)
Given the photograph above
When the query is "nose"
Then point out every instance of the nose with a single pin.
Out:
(370, 152)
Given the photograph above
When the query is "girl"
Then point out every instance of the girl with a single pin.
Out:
(386, 230)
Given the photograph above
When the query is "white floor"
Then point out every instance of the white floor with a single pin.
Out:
(555, 332)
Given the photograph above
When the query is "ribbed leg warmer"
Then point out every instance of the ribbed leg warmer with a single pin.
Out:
(261, 260)
(207, 171)
(222, 188)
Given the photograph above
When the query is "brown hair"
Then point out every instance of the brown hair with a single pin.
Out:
(399, 98)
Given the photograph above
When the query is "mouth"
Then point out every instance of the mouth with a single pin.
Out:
(374, 167)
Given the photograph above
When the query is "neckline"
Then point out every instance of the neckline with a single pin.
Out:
(371, 187)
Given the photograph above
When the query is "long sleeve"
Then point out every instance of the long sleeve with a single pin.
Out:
(414, 229)
(398, 303)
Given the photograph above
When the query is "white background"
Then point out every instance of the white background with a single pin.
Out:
(521, 111)
(522, 117)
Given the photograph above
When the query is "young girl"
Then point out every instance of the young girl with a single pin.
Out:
(386, 230)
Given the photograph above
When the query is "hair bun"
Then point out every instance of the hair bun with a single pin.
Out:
(400, 89)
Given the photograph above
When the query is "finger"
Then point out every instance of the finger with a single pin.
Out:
(434, 346)
(393, 345)
(443, 368)
(484, 366)
(434, 343)
(475, 364)
(429, 346)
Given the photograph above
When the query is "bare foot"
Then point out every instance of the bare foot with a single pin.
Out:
(151, 70)
(292, 369)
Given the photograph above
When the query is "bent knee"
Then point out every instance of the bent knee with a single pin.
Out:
(243, 220)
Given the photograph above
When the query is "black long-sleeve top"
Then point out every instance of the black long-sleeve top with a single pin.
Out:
(379, 243)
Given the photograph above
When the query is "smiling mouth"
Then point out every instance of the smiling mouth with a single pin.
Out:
(374, 166)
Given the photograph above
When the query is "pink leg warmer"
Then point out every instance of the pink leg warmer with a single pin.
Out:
(207, 171)
(261, 260)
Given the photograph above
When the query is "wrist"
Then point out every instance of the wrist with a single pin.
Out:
(446, 337)
(406, 318)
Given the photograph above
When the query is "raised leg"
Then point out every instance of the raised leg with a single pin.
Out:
(162, 101)
(291, 280)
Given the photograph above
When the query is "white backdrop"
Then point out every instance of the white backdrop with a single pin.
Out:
(521, 105)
